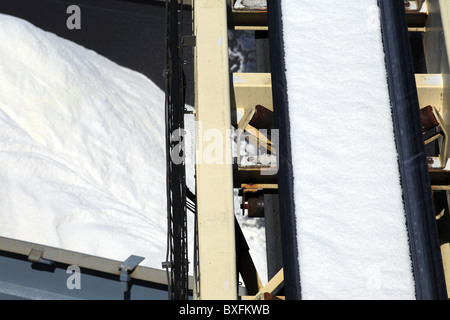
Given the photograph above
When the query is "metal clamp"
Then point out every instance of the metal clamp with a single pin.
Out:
(126, 268)
(36, 255)
(189, 41)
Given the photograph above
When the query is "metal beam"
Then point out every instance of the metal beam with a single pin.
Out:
(81, 260)
(35, 271)
(272, 287)
(214, 175)
(249, 90)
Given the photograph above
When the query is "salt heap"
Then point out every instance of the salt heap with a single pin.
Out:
(81, 148)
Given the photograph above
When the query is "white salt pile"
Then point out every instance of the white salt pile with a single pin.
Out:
(81, 148)
(83, 153)
(351, 226)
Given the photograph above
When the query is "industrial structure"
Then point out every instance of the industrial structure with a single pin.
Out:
(416, 35)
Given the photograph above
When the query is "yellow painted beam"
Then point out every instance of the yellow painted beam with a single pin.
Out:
(214, 175)
(249, 90)
(430, 90)
(272, 287)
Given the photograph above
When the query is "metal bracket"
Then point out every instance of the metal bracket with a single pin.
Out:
(36, 255)
(253, 188)
(256, 116)
(188, 41)
(167, 264)
(272, 287)
(126, 268)
(431, 118)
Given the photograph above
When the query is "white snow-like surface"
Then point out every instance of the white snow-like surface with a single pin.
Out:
(351, 226)
(82, 152)
(250, 4)
(81, 149)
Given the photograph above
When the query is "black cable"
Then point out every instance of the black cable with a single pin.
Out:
(176, 255)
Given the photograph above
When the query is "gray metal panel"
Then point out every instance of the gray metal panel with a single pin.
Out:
(99, 278)
(22, 279)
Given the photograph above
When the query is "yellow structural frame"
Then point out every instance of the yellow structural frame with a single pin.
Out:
(249, 90)
(216, 230)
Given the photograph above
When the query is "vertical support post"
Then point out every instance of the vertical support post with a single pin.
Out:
(216, 231)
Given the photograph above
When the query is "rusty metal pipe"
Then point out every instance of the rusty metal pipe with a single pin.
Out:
(255, 207)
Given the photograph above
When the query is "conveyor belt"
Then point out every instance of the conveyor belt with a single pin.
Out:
(285, 172)
(423, 238)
